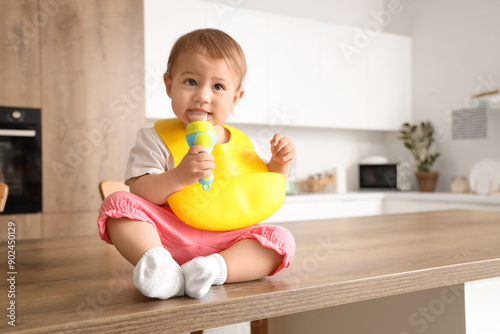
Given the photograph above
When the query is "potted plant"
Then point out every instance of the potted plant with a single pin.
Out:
(418, 140)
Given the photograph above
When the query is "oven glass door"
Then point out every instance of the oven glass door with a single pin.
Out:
(20, 167)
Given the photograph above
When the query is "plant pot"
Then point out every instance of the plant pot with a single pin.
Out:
(427, 181)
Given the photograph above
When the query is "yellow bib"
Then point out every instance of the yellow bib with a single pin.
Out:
(244, 192)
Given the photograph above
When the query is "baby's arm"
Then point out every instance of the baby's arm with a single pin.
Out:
(283, 152)
(157, 187)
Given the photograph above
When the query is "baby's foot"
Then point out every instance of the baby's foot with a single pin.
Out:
(157, 275)
(202, 272)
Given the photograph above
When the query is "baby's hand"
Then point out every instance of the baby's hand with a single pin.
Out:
(195, 165)
(282, 149)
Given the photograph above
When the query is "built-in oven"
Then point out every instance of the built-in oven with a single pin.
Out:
(21, 158)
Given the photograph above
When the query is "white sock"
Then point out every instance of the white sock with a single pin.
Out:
(202, 272)
(157, 275)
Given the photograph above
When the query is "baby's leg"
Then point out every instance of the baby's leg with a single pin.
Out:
(132, 238)
(156, 274)
(246, 260)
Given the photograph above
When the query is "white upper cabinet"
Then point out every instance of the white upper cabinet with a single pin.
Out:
(389, 81)
(300, 72)
(294, 79)
(249, 29)
(344, 80)
(164, 22)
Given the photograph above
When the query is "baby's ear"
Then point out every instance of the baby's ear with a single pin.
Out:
(237, 96)
(168, 84)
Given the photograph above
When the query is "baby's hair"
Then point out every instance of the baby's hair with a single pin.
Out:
(213, 43)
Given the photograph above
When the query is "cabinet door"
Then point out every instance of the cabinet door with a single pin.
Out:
(20, 55)
(344, 81)
(92, 62)
(249, 29)
(482, 306)
(389, 81)
(164, 22)
(392, 205)
(294, 79)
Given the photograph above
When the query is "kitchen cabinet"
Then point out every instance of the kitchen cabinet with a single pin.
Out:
(249, 29)
(324, 206)
(407, 206)
(20, 55)
(28, 226)
(20, 77)
(370, 90)
(389, 81)
(294, 70)
(298, 74)
(482, 304)
(395, 205)
(91, 67)
(344, 81)
(331, 205)
(93, 100)
(164, 22)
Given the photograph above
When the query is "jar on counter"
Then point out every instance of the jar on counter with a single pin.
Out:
(459, 184)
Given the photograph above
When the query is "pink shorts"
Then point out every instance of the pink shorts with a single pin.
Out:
(185, 242)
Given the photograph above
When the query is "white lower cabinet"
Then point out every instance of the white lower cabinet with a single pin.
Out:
(482, 306)
(392, 205)
(325, 206)
(295, 209)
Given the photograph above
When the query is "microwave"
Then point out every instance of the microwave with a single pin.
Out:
(388, 176)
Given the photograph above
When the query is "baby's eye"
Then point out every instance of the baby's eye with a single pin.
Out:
(218, 87)
(190, 82)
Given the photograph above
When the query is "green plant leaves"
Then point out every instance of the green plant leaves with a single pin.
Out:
(418, 139)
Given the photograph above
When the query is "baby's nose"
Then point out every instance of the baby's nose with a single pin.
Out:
(203, 95)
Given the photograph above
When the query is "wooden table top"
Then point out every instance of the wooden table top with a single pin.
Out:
(65, 285)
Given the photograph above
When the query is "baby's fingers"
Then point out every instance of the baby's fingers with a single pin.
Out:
(286, 154)
(283, 149)
(277, 143)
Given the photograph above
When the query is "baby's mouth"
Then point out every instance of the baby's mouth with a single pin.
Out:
(197, 115)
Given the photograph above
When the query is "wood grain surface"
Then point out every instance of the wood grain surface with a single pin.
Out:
(20, 54)
(92, 55)
(82, 63)
(83, 285)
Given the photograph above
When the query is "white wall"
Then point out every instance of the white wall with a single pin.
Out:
(321, 150)
(456, 54)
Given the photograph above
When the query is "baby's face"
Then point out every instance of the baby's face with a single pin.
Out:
(203, 85)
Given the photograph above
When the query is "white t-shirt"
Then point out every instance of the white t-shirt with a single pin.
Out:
(150, 155)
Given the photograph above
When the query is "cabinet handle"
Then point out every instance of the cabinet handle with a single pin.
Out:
(17, 133)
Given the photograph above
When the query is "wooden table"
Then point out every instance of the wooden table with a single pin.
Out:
(83, 284)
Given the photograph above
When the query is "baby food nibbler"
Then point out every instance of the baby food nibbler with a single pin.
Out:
(201, 132)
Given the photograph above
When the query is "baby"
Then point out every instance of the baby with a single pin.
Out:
(204, 78)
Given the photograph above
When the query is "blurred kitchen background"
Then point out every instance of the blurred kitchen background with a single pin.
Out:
(341, 77)
(338, 77)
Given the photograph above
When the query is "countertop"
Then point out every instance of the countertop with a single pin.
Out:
(83, 285)
(398, 195)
